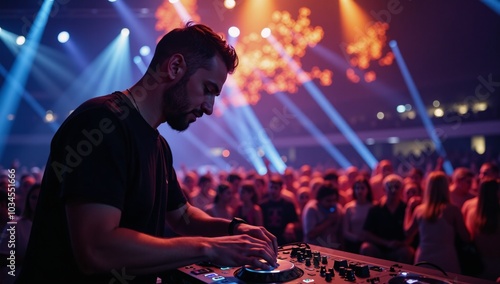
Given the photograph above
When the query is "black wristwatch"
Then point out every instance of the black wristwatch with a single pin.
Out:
(233, 224)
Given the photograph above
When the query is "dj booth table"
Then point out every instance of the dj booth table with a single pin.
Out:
(302, 263)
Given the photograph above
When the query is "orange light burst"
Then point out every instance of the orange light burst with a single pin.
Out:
(169, 19)
(258, 58)
(368, 47)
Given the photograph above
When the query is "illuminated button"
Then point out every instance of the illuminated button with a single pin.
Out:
(308, 280)
(201, 271)
(218, 278)
(210, 275)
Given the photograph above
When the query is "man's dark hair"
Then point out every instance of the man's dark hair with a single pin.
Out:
(276, 179)
(221, 188)
(331, 175)
(232, 177)
(326, 189)
(198, 44)
(204, 179)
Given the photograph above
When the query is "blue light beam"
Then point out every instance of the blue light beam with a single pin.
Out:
(32, 102)
(10, 94)
(326, 106)
(422, 112)
(269, 149)
(110, 71)
(315, 132)
(245, 147)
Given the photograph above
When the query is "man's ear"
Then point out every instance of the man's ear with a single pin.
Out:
(175, 66)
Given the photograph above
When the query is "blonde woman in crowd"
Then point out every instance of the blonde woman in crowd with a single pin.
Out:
(438, 222)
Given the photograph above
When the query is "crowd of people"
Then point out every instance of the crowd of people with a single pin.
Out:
(410, 218)
(415, 218)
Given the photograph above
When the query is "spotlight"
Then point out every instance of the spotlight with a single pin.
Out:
(380, 115)
(63, 37)
(229, 4)
(393, 140)
(10, 117)
(408, 107)
(112, 1)
(137, 59)
(145, 50)
(173, 1)
(234, 31)
(438, 112)
(125, 32)
(436, 103)
(370, 141)
(49, 116)
(20, 40)
(401, 108)
(265, 33)
(480, 106)
(226, 153)
(462, 109)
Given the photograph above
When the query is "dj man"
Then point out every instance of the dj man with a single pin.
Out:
(109, 187)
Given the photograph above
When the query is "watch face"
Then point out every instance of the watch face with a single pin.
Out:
(233, 224)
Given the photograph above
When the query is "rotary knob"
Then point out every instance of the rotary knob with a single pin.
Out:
(328, 276)
(342, 271)
(324, 260)
(316, 260)
(362, 270)
(295, 249)
(349, 274)
(338, 263)
(300, 256)
(308, 253)
(322, 271)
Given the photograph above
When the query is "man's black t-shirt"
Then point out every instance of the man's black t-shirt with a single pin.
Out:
(106, 153)
(385, 224)
(277, 215)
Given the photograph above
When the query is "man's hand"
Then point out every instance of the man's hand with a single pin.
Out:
(260, 233)
(242, 250)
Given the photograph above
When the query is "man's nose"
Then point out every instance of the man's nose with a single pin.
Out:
(208, 106)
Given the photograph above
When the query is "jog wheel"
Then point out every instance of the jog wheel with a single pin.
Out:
(286, 271)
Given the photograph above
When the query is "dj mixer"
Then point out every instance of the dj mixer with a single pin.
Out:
(303, 263)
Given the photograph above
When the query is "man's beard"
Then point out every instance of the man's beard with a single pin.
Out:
(176, 105)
